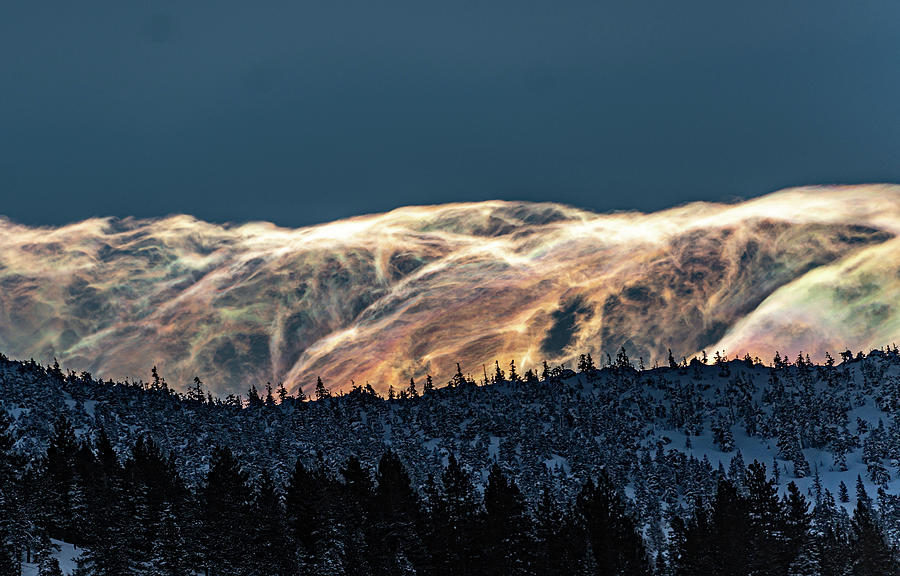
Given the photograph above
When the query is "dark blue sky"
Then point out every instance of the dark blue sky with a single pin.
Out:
(309, 110)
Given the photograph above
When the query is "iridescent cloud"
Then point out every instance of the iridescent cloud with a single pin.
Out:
(381, 298)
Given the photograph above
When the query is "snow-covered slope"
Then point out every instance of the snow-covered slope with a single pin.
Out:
(661, 432)
(64, 553)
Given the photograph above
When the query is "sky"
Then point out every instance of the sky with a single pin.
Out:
(306, 111)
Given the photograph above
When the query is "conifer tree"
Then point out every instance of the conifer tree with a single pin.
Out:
(615, 544)
(499, 376)
(60, 469)
(196, 391)
(16, 529)
(797, 526)
(396, 543)
(268, 543)
(766, 530)
(729, 520)
(559, 541)
(513, 375)
(505, 522)
(303, 519)
(870, 553)
(843, 493)
(455, 520)
(226, 508)
(49, 566)
(321, 391)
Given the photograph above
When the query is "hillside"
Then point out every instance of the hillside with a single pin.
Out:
(838, 421)
(666, 437)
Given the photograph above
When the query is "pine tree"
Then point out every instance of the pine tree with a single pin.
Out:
(268, 542)
(16, 529)
(321, 391)
(513, 375)
(622, 360)
(843, 493)
(861, 494)
(226, 508)
(766, 529)
(586, 364)
(167, 554)
(48, 566)
(303, 492)
(196, 391)
(156, 381)
(455, 520)
(871, 554)
(60, 469)
(395, 541)
(615, 543)
(797, 526)
(253, 398)
(559, 544)
(505, 536)
(499, 376)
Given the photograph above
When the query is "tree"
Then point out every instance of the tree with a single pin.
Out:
(766, 529)
(196, 393)
(622, 360)
(321, 391)
(16, 530)
(226, 508)
(60, 469)
(455, 519)
(797, 525)
(394, 537)
(48, 566)
(672, 362)
(253, 398)
(586, 364)
(268, 534)
(843, 493)
(513, 375)
(153, 487)
(559, 541)
(729, 521)
(617, 547)
(167, 555)
(499, 376)
(302, 514)
(871, 554)
(505, 538)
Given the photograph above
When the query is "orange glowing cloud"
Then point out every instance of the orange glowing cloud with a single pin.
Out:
(385, 297)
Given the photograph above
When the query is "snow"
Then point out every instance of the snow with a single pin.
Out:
(556, 461)
(66, 554)
(494, 448)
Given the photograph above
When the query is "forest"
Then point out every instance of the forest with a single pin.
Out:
(143, 479)
(138, 516)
